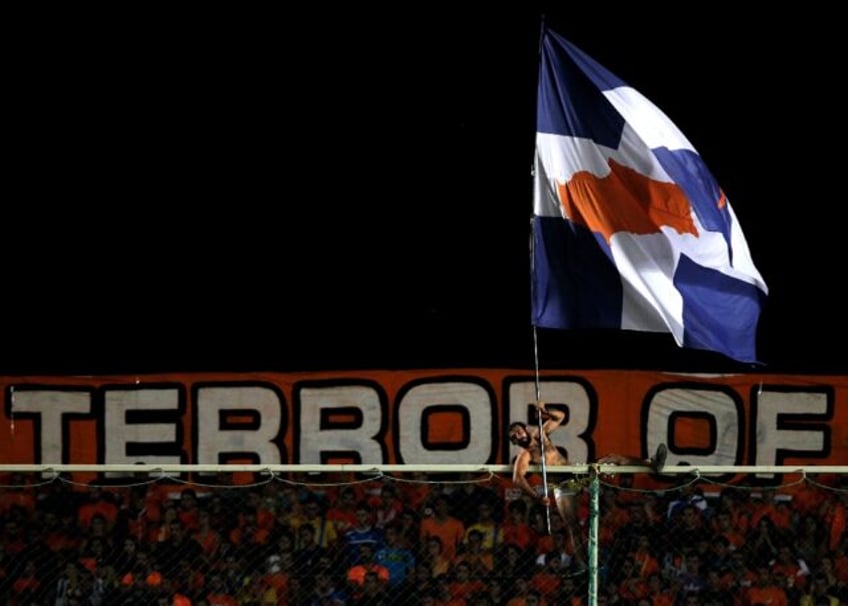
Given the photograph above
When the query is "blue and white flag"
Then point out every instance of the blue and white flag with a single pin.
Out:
(630, 229)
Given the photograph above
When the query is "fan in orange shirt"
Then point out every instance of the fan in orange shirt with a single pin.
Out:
(435, 559)
(465, 584)
(658, 592)
(450, 530)
(342, 513)
(248, 533)
(721, 524)
(206, 536)
(187, 509)
(16, 492)
(355, 575)
(631, 586)
(28, 579)
(547, 580)
(218, 594)
(516, 530)
(415, 493)
(614, 514)
(834, 513)
(773, 506)
(791, 565)
(765, 590)
(444, 595)
(808, 495)
(100, 503)
(644, 561)
(481, 560)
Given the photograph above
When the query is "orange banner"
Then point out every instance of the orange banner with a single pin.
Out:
(456, 416)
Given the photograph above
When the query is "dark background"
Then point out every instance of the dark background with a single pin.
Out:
(331, 189)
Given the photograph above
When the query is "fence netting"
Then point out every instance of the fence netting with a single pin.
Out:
(418, 538)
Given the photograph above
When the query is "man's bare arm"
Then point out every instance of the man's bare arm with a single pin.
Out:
(553, 418)
(519, 472)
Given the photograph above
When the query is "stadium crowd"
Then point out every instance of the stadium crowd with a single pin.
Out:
(415, 541)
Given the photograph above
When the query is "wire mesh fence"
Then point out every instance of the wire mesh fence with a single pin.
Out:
(418, 537)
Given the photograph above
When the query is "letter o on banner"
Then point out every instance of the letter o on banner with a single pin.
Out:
(444, 423)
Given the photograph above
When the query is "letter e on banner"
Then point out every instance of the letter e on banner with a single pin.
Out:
(243, 421)
(142, 425)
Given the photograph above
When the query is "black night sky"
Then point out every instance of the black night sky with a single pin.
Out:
(296, 191)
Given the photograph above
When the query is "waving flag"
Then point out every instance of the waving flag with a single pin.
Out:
(630, 230)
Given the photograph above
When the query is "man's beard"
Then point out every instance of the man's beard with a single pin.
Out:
(523, 442)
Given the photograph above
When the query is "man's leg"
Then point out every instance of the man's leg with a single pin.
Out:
(656, 463)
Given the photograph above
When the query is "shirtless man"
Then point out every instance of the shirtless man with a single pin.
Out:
(565, 493)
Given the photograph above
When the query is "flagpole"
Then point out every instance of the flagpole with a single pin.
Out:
(542, 447)
(543, 462)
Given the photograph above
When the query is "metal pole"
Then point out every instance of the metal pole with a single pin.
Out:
(592, 552)
(543, 462)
